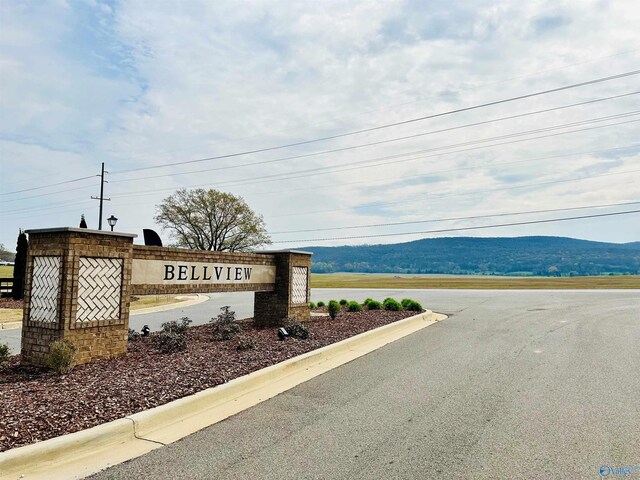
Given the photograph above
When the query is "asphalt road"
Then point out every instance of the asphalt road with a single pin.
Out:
(515, 384)
(200, 314)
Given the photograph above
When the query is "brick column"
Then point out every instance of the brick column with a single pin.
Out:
(292, 293)
(77, 288)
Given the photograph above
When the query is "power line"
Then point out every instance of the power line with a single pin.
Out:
(484, 191)
(330, 119)
(380, 142)
(395, 124)
(435, 172)
(46, 194)
(446, 147)
(476, 192)
(333, 169)
(472, 217)
(49, 185)
(460, 229)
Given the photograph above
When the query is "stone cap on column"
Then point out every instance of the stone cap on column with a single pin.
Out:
(299, 252)
(80, 230)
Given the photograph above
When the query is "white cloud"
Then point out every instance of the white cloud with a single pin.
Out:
(138, 84)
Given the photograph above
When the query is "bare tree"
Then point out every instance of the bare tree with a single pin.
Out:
(211, 220)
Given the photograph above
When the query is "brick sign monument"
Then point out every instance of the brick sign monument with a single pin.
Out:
(79, 282)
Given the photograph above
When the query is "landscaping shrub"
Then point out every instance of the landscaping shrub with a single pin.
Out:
(225, 315)
(387, 299)
(320, 304)
(246, 342)
(406, 302)
(175, 327)
(343, 301)
(297, 330)
(224, 331)
(392, 305)
(133, 336)
(354, 306)
(366, 301)
(334, 308)
(312, 305)
(60, 358)
(413, 306)
(224, 327)
(4, 352)
(169, 341)
(374, 305)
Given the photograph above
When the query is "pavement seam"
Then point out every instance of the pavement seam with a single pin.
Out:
(135, 433)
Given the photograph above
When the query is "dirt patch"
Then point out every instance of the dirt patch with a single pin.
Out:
(11, 303)
(37, 404)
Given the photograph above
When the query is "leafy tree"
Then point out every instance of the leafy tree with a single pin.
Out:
(20, 267)
(5, 254)
(211, 220)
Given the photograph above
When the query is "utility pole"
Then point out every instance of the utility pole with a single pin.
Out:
(101, 197)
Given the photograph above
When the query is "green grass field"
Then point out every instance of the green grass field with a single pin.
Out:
(354, 280)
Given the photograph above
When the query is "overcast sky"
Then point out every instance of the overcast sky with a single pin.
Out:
(138, 84)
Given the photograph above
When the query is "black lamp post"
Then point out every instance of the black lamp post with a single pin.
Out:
(112, 221)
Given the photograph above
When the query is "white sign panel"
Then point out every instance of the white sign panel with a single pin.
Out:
(172, 272)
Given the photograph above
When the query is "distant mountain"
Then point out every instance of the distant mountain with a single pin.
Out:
(488, 256)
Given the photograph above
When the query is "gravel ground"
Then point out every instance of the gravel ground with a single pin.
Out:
(37, 404)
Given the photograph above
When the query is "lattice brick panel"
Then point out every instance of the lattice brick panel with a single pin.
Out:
(99, 285)
(45, 289)
(299, 285)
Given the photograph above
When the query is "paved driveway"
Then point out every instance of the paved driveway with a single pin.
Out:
(514, 385)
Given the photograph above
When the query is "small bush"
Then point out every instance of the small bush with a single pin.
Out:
(4, 352)
(133, 336)
(224, 331)
(413, 306)
(343, 301)
(354, 306)
(225, 315)
(392, 305)
(224, 326)
(320, 304)
(246, 342)
(387, 299)
(374, 305)
(174, 327)
(334, 308)
(169, 342)
(312, 305)
(60, 358)
(297, 330)
(406, 302)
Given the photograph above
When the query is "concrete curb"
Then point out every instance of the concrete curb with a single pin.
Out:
(10, 325)
(83, 453)
(172, 306)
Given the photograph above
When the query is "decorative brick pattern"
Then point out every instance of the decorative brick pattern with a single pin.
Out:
(300, 277)
(79, 281)
(45, 289)
(99, 289)
(94, 338)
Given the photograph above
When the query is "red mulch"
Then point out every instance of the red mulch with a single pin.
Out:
(10, 303)
(36, 404)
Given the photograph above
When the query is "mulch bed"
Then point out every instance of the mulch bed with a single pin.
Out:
(37, 404)
(11, 303)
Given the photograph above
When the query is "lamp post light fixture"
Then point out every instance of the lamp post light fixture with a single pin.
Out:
(112, 221)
